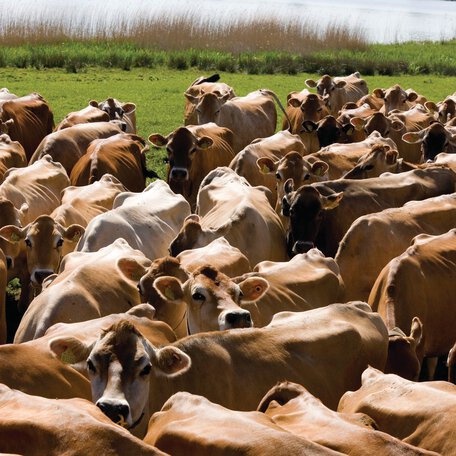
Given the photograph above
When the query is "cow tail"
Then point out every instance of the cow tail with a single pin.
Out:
(281, 393)
(93, 173)
(279, 103)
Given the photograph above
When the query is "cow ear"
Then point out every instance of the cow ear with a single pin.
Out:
(379, 93)
(340, 84)
(412, 95)
(266, 165)
(358, 123)
(319, 168)
(93, 103)
(416, 330)
(310, 83)
(131, 269)
(431, 106)
(9, 122)
(69, 350)
(205, 142)
(253, 288)
(170, 361)
(192, 218)
(294, 102)
(412, 138)
(391, 157)
(129, 108)
(13, 233)
(289, 186)
(158, 140)
(169, 288)
(397, 125)
(308, 126)
(74, 232)
(332, 201)
(191, 98)
(348, 129)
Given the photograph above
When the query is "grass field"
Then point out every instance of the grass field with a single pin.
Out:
(158, 93)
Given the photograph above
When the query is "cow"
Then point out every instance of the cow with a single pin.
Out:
(434, 139)
(198, 88)
(33, 120)
(399, 293)
(67, 146)
(118, 110)
(447, 160)
(3, 283)
(339, 90)
(274, 147)
(121, 155)
(249, 117)
(12, 155)
(6, 95)
(420, 414)
(242, 364)
(352, 110)
(294, 409)
(451, 363)
(191, 424)
(446, 109)
(90, 113)
(326, 132)
(192, 152)
(228, 206)
(307, 281)
(148, 221)
(89, 285)
(373, 101)
(397, 98)
(65, 426)
(397, 225)
(320, 213)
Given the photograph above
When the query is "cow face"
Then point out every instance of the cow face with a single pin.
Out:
(181, 146)
(305, 207)
(329, 130)
(209, 106)
(213, 300)
(313, 107)
(380, 159)
(396, 98)
(378, 122)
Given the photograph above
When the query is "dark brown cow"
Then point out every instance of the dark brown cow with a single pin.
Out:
(193, 152)
(90, 113)
(33, 120)
(122, 155)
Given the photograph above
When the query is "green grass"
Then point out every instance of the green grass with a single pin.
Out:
(158, 93)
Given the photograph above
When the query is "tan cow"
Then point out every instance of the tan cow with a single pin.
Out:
(399, 226)
(88, 114)
(33, 120)
(420, 414)
(274, 147)
(193, 152)
(250, 117)
(12, 155)
(447, 160)
(148, 221)
(199, 87)
(66, 426)
(118, 110)
(191, 424)
(339, 90)
(122, 155)
(446, 109)
(67, 146)
(397, 98)
(294, 409)
(228, 206)
(400, 293)
(89, 285)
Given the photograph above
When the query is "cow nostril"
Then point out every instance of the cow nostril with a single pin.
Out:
(41, 275)
(179, 174)
(118, 413)
(238, 319)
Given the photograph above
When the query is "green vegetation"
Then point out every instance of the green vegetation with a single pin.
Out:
(158, 93)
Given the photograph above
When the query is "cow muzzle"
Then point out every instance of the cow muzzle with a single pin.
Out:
(39, 275)
(236, 319)
(179, 174)
(118, 412)
(302, 247)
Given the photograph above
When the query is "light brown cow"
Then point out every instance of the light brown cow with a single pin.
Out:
(326, 132)
(420, 414)
(122, 155)
(191, 424)
(398, 226)
(373, 101)
(65, 426)
(352, 110)
(400, 293)
(446, 109)
(120, 111)
(250, 117)
(88, 114)
(339, 90)
(294, 409)
(199, 87)
(228, 206)
(67, 146)
(397, 98)
(193, 152)
(12, 155)
(447, 160)
(33, 120)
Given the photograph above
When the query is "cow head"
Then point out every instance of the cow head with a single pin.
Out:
(396, 98)
(119, 365)
(181, 146)
(378, 122)
(305, 207)
(43, 240)
(325, 85)
(209, 106)
(329, 130)
(313, 107)
(213, 300)
(5, 126)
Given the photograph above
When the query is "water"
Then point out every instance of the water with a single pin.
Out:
(381, 21)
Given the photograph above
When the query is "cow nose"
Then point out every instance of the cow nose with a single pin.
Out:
(179, 174)
(117, 412)
(238, 319)
(302, 247)
(40, 275)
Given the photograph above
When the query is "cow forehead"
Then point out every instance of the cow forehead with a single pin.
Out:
(182, 140)
(212, 280)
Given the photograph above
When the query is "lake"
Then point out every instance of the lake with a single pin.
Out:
(380, 21)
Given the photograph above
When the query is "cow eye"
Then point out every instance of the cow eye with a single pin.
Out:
(306, 176)
(198, 297)
(28, 243)
(146, 370)
(59, 242)
(90, 366)
(368, 167)
(278, 176)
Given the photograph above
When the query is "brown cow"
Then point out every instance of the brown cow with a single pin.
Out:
(33, 120)
(397, 98)
(88, 114)
(193, 152)
(12, 155)
(420, 414)
(294, 409)
(3, 283)
(122, 155)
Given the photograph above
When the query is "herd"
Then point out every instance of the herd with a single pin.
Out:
(286, 293)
